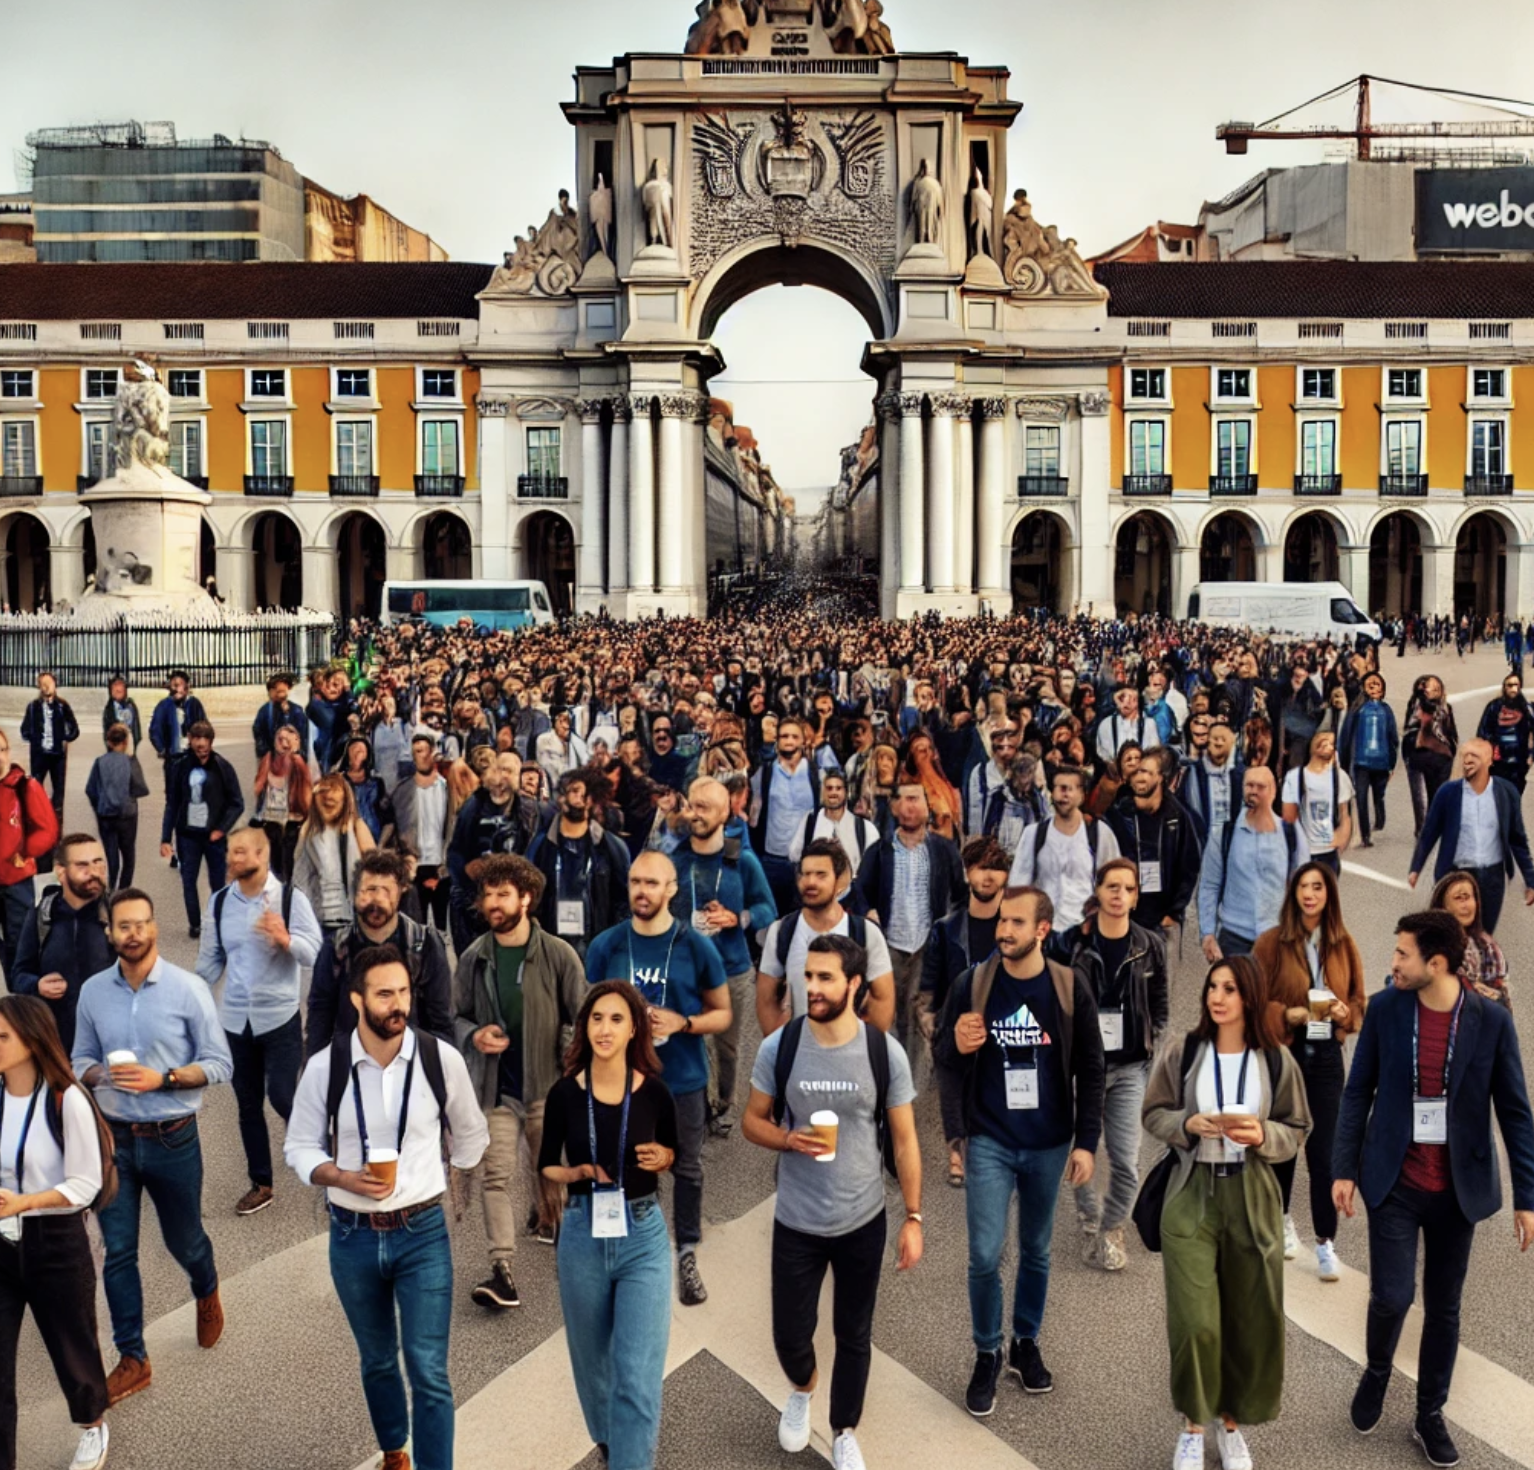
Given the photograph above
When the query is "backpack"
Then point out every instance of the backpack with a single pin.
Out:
(427, 1048)
(417, 948)
(53, 1113)
(218, 910)
(1041, 836)
(45, 914)
(1227, 836)
(788, 926)
(878, 1062)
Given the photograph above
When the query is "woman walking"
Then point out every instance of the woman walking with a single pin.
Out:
(50, 1171)
(1485, 966)
(330, 846)
(283, 794)
(1430, 740)
(1316, 998)
(1230, 1104)
(609, 1128)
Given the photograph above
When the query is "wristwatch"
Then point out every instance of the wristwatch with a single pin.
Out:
(687, 1024)
(169, 1084)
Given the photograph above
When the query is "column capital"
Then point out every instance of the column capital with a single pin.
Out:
(901, 405)
(622, 409)
(493, 408)
(952, 405)
(1093, 405)
(639, 405)
(681, 405)
(992, 408)
(590, 409)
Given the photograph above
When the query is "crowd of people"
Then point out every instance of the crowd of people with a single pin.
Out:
(500, 904)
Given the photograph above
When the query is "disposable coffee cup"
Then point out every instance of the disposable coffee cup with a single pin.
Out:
(824, 1126)
(122, 1059)
(383, 1163)
(1321, 1005)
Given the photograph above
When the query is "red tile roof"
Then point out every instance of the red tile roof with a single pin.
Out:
(268, 289)
(1363, 290)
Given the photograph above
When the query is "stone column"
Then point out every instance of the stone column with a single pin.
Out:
(993, 494)
(321, 588)
(1184, 577)
(1353, 568)
(641, 498)
(618, 501)
(589, 578)
(1095, 589)
(1437, 580)
(913, 509)
(496, 486)
(1518, 593)
(66, 573)
(234, 566)
(888, 409)
(946, 407)
(674, 538)
(964, 504)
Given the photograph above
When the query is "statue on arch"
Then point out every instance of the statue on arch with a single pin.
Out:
(600, 209)
(655, 196)
(926, 205)
(981, 209)
(723, 27)
(856, 27)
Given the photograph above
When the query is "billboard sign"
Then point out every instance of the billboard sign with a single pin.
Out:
(1475, 209)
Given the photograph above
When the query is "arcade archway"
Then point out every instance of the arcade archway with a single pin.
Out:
(360, 553)
(27, 584)
(1310, 550)
(1395, 565)
(447, 555)
(1227, 551)
(1480, 567)
(1040, 563)
(277, 577)
(1142, 570)
(548, 553)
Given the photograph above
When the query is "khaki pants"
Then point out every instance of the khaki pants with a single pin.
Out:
(510, 1124)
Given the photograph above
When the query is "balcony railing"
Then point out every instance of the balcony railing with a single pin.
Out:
(1030, 485)
(1233, 484)
(1488, 484)
(1147, 485)
(278, 485)
(354, 485)
(435, 486)
(21, 484)
(1403, 485)
(543, 487)
(1318, 484)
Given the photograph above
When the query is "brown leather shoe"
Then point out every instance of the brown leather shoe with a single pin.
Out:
(396, 1460)
(130, 1376)
(210, 1319)
(255, 1199)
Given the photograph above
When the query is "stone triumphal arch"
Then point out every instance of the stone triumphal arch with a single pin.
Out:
(790, 141)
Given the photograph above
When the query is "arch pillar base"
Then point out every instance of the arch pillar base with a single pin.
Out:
(321, 577)
(910, 602)
(1353, 571)
(232, 566)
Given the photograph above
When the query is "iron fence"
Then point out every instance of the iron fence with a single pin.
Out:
(243, 649)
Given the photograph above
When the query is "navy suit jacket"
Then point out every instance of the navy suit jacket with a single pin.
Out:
(1374, 1124)
(1442, 827)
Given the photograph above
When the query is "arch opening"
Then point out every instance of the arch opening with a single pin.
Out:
(277, 577)
(1227, 552)
(1480, 567)
(1040, 563)
(1142, 568)
(548, 556)
(360, 556)
(1395, 564)
(1310, 550)
(750, 270)
(447, 554)
(28, 586)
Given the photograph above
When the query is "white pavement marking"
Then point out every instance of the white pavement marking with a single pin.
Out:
(1487, 1401)
(1476, 693)
(1360, 871)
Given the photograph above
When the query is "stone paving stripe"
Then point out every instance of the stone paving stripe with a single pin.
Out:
(1360, 871)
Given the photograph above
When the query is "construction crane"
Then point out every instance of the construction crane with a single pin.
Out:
(1237, 135)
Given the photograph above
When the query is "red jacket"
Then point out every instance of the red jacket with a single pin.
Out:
(28, 827)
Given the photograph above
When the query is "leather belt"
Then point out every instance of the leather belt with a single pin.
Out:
(381, 1219)
(156, 1130)
(1227, 1171)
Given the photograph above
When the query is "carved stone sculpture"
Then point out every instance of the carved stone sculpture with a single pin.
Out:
(655, 196)
(1036, 261)
(141, 421)
(723, 27)
(546, 259)
(926, 206)
(856, 27)
(981, 209)
(599, 208)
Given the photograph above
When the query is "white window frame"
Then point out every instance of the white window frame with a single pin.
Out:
(1305, 422)
(34, 422)
(456, 419)
(424, 404)
(201, 395)
(353, 401)
(347, 421)
(20, 398)
(200, 423)
(1165, 420)
(1490, 400)
(1164, 398)
(528, 430)
(1420, 420)
(1332, 400)
(1405, 400)
(1222, 400)
(286, 420)
(98, 400)
(1250, 420)
(88, 430)
(265, 404)
(1505, 423)
(1059, 450)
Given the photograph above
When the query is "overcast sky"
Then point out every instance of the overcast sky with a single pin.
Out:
(448, 115)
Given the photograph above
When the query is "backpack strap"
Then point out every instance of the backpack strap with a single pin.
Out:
(429, 1049)
(787, 926)
(879, 1065)
(218, 914)
(335, 1088)
(783, 1066)
(287, 904)
(45, 914)
(1091, 822)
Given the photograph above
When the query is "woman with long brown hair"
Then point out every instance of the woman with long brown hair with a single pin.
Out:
(50, 1172)
(919, 761)
(1484, 969)
(1230, 1104)
(609, 1129)
(1316, 998)
(330, 845)
(283, 793)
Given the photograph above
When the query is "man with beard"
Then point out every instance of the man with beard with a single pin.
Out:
(421, 818)
(585, 867)
(1156, 830)
(157, 1024)
(496, 818)
(369, 1130)
(381, 880)
(830, 1211)
(64, 940)
(722, 893)
(515, 990)
(1211, 784)
(201, 807)
(1508, 723)
(835, 819)
(1246, 870)
(680, 975)
(783, 793)
(257, 934)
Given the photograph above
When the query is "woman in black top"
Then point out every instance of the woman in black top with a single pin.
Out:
(609, 1128)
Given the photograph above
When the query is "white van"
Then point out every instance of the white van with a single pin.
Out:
(1289, 609)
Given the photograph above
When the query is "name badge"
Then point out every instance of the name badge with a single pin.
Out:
(609, 1217)
(1022, 1088)
(1318, 1031)
(701, 924)
(1111, 1023)
(1150, 877)
(571, 917)
(10, 1230)
(1430, 1120)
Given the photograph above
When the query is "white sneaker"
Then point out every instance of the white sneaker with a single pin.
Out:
(92, 1453)
(845, 1454)
(1326, 1261)
(1231, 1443)
(1190, 1451)
(794, 1424)
(1291, 1239)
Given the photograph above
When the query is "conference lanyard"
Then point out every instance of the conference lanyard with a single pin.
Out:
(665, 977)
(1448, 1057)
(623, 1126)
(26, 1128)
(404, 1108)
(1219, 1081)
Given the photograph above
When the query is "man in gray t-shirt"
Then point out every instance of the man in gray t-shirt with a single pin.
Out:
(830, 1204)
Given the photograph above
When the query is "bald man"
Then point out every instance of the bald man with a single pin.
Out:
(678, 971)
(1246, 870)
(1477, 826)
(722, 891)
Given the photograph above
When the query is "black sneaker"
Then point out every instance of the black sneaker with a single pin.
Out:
(195, 932)
(499, 1290)
(980, 1396)
(1025, 1364)
(1369, 1401)
(720, 1125)
(694, 1293)
(1432, 1435)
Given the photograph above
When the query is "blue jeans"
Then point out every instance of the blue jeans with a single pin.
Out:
(190, 851)
(17, 900)
(409, 1271)
(168, 1167)
(616, 1296)
(1123, 1095)
(993, 1172)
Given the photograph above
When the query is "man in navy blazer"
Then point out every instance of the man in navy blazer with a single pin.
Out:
(1477, 824)
(1414, 1137)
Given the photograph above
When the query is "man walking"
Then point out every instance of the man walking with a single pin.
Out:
(1023, 1035)
(1246, 871)
(1476, 823)
(170, 726)
(989, 777)
(1370, 747)
(835, 819)
(113, 789)
(1508, 724)
(421, 818)
(256, 935)
(279, 711)
(157, 1024)
(369, 1131)
(49, 727)
(1414, 1138)
(496, 818)
(1156, 830)
(1211, 786)
(585, 867)
(830, 1211)
(202, 806)
(783, 793)
(1319, 797)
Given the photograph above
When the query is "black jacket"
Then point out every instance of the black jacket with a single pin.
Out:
(76, 947)
(1140, 987)
(481, 829)
(225, 801)
(946, 956)
(1176, 847)
(606, 885)
(65, 727)
(875, 886)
